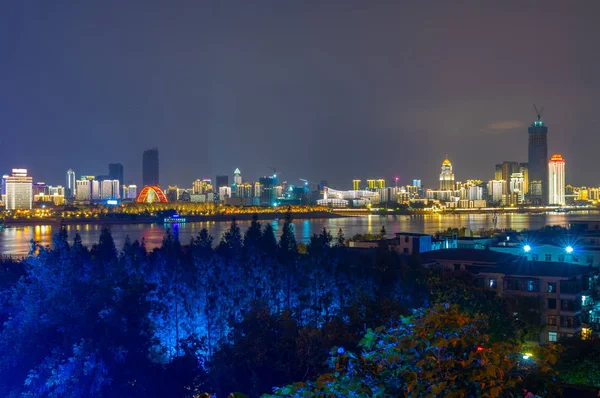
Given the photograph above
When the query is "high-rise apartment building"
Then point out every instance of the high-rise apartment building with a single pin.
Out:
(371, 184)
(96, 190)
(381, 183)
(508, 169)
(83, 190)
(150, 167)
(556, 180)
(538, 162)
(356, 185)
(70, 187)
(115, 172)
(417, 183)
(110, 190)
(19, 190)
(446, 176)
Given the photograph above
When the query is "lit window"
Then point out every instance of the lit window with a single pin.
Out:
(492, 283)
(552, 336)
(551, 287)
(552, 320)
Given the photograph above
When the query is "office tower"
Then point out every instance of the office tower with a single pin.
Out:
(524, 169)
(132, 192)
(83, 190)
(498, 173)
(356, 185)
(495, 191)
(517, 188)
(538, 162)
(96, 190)
(556, 180)
(370, 184)
(508, 169)
(110, 189)
(150, 169)
(417, 183)
(237, 177)
(115, 172)
(70, 187)
(258, 187)
(381, 183)
(222, 181)
(446, 176)
(197, 187)
(19, 190)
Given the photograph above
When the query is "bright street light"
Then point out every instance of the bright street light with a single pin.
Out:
(526, 248)
(569, 249)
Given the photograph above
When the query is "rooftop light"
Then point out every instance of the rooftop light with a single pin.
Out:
(569, 249)
(526, 248)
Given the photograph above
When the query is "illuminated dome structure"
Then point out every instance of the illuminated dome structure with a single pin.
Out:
(446, 176)
(152, 194)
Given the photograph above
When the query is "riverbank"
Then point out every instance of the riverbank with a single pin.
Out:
(152, 219)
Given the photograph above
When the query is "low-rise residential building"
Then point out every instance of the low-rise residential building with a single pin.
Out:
(559, 292)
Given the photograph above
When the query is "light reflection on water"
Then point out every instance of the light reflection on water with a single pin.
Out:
(16, 240)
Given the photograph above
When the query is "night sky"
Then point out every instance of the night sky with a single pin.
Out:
(329, 90)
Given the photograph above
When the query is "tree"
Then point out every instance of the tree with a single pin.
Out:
(436, 352)
(340, 241)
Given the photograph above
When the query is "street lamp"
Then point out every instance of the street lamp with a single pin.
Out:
(569, 249)
(526, 248)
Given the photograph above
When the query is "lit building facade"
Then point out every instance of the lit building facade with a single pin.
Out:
(237, 177)
(83, 190)
(517, 188)
(132, 192)
(446, 176)
(70, 187)
(110, 189)
(19, 190)
(556, 180)
(356, 185)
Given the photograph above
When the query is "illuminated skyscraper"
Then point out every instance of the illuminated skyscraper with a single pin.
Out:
(370, 184)
(381, 183)
(70, 187)
(556, 180)
(19, 190)
(110, 189)
(446, 176)
(538, 162)
(524, 169)
(356, 185)
(237, 177)
(417, 183)
(150, 169)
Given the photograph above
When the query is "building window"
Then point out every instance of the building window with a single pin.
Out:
(567, 321)
(575, 259)
(530, 286)
(492, 283)
(561, 258)
(406, 239)
(552, 320)
(405, 250)
(589, 259)
(552, 336)
(534, 257)
(552, 304)
(548, 257)
(551, 287)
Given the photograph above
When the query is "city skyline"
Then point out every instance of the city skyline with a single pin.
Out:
(367, 86)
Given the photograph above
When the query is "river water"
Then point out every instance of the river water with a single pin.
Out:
(15, 241)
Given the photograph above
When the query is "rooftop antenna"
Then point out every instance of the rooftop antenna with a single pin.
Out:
(538, 113)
